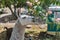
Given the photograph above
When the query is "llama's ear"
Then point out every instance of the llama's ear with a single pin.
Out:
(18, 12)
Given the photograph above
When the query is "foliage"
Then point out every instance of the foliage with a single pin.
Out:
(15, 3)
(44, 4)
(19, 2)
(39, 11)
(12, 2)
(47, 3)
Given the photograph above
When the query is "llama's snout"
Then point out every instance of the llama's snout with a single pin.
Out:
(24, 18)
(33, 19)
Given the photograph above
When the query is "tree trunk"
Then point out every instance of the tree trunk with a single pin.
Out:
(13, 12)
(18, 32)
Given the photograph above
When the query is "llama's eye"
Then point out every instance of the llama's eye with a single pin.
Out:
(21, 13)
(23, 17)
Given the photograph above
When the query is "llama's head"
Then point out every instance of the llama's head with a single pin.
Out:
(24, 18)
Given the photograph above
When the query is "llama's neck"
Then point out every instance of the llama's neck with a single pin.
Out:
(18, 32)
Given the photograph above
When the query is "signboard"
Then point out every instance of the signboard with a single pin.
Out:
(57, 20)
(54, 21)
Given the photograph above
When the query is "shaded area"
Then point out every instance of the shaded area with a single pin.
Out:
(9, 31)
(3, 35)
(7, 18)
(43, 35)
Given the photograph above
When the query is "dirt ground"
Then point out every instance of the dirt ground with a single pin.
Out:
(31, 31)
(34, 30)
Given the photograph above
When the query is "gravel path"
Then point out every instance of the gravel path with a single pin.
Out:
(3, 15)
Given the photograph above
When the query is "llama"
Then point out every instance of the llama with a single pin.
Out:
(19, 28)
